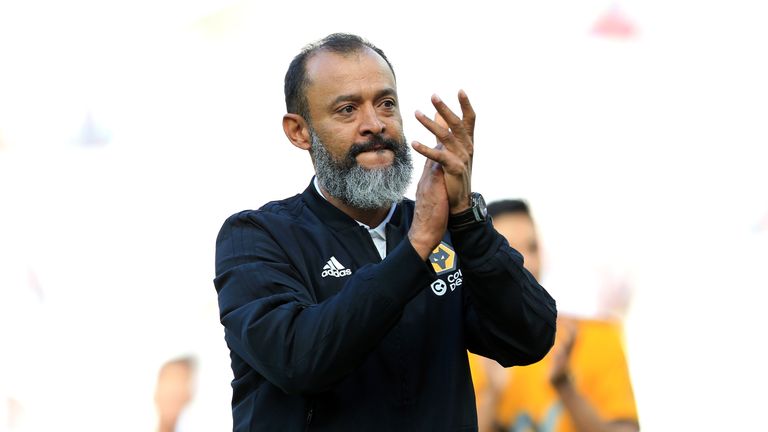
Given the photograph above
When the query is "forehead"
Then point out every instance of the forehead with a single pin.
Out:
(331, 74)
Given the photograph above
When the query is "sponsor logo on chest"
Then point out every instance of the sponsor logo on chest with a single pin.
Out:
(443, 260)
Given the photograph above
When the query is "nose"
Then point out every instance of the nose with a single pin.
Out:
(370, 124)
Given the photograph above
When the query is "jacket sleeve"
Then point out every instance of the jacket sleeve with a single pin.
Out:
(509, 317)
(272, 322)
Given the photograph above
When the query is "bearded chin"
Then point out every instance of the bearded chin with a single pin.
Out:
(360, 187)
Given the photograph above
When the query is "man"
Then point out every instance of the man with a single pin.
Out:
(350, 308)
(582, 385)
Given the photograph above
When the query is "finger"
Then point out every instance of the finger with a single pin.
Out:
(468, 113)
(441, 121)
(434, 155)
(441, 133)
(568, 343)
(453, 121)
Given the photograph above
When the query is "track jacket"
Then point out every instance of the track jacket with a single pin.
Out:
(324, 335)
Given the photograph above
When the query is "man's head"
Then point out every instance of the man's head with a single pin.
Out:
(343, 108)
(296, 79)
(512, 219)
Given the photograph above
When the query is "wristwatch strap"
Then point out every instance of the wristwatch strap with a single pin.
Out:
(474, 215)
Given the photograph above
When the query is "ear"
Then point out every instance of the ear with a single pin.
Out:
(297, 131)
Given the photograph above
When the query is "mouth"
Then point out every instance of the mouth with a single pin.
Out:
(379, 147)
(375, 145)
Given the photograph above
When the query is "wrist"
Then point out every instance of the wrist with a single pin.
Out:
(474, 214)
(462, 206)
(422, 247)
(460, 209)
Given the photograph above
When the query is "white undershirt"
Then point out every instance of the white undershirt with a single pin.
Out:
(378, 234)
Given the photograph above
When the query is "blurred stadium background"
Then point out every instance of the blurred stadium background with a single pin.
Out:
(130, 130)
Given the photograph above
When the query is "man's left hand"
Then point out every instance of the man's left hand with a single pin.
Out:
(455, 155)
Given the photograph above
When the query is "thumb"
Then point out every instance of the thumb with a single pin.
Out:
(441, 121)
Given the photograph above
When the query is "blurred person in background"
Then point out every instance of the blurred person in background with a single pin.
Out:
(173, 392)
(582, 385)
(350, 308)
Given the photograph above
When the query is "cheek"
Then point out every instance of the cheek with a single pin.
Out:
(337, 140)
(395, 125)
(531, 259)
(533, 266)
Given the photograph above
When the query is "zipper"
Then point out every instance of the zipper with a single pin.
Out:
(372, 245)
(310, 411)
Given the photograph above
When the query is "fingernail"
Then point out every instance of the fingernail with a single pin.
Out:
(436, 98)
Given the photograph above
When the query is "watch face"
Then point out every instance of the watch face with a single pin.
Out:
(483, 207)
(479, 204)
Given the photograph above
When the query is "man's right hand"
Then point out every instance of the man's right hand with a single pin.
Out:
(430, 218)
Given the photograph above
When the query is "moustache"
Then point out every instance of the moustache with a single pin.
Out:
(377, 142)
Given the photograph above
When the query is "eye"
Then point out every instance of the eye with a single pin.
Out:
(389, 103)
(347, 109)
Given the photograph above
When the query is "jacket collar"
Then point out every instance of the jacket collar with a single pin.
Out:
(332, 216)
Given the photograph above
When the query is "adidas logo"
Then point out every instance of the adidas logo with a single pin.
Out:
(334, 268)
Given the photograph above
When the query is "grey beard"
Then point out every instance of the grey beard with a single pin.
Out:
(360, 187)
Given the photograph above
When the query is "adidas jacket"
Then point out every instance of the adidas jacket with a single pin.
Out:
(324, 335)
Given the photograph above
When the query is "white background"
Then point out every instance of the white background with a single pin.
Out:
(130, 130)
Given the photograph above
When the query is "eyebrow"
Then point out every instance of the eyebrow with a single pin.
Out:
(389, 91)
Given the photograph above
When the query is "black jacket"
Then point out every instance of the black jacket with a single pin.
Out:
(324, 335)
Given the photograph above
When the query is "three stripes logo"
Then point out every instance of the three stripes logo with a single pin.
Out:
(334, 268)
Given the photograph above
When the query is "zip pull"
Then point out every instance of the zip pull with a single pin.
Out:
(309, 416)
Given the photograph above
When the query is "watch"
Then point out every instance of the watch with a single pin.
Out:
(477, 213)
